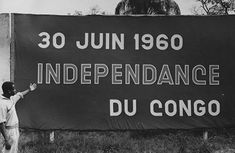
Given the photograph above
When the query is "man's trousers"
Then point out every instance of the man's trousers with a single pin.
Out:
(13, 135)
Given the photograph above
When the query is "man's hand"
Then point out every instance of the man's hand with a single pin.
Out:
(32, 87)
(4, 134)
(7, 145)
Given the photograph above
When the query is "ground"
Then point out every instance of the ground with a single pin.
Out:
(150, 141)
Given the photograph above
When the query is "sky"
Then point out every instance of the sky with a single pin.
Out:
(63, 7)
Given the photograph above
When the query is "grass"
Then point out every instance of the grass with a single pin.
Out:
(149, 141)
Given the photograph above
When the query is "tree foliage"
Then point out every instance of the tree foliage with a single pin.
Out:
(150, 7)
(216, 7)
(94, 10)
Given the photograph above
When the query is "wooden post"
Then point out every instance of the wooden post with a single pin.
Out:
(12, 48)
(52, 137)
(205, 135)
(5, 36)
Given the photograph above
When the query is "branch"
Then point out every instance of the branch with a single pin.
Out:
(204, 6)
(225, 5)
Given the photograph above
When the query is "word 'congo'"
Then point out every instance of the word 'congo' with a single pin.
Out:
(145, 74)
(167, 108)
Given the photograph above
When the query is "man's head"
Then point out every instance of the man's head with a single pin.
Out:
(8, 89)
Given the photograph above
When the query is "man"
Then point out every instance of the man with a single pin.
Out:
(9, 123)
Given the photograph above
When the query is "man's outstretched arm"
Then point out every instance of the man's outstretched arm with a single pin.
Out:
(32, 87)
(21, 94)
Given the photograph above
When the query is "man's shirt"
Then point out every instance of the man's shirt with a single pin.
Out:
(8, 111)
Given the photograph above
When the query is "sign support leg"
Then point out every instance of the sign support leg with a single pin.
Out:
(205, 135)
(52, 137)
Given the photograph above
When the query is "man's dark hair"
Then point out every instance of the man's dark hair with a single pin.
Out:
(7, 86)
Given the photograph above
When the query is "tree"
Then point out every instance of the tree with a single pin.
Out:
(150, 7)
(96, 10)
(216, 7)
(76, 13)
(197, 10)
